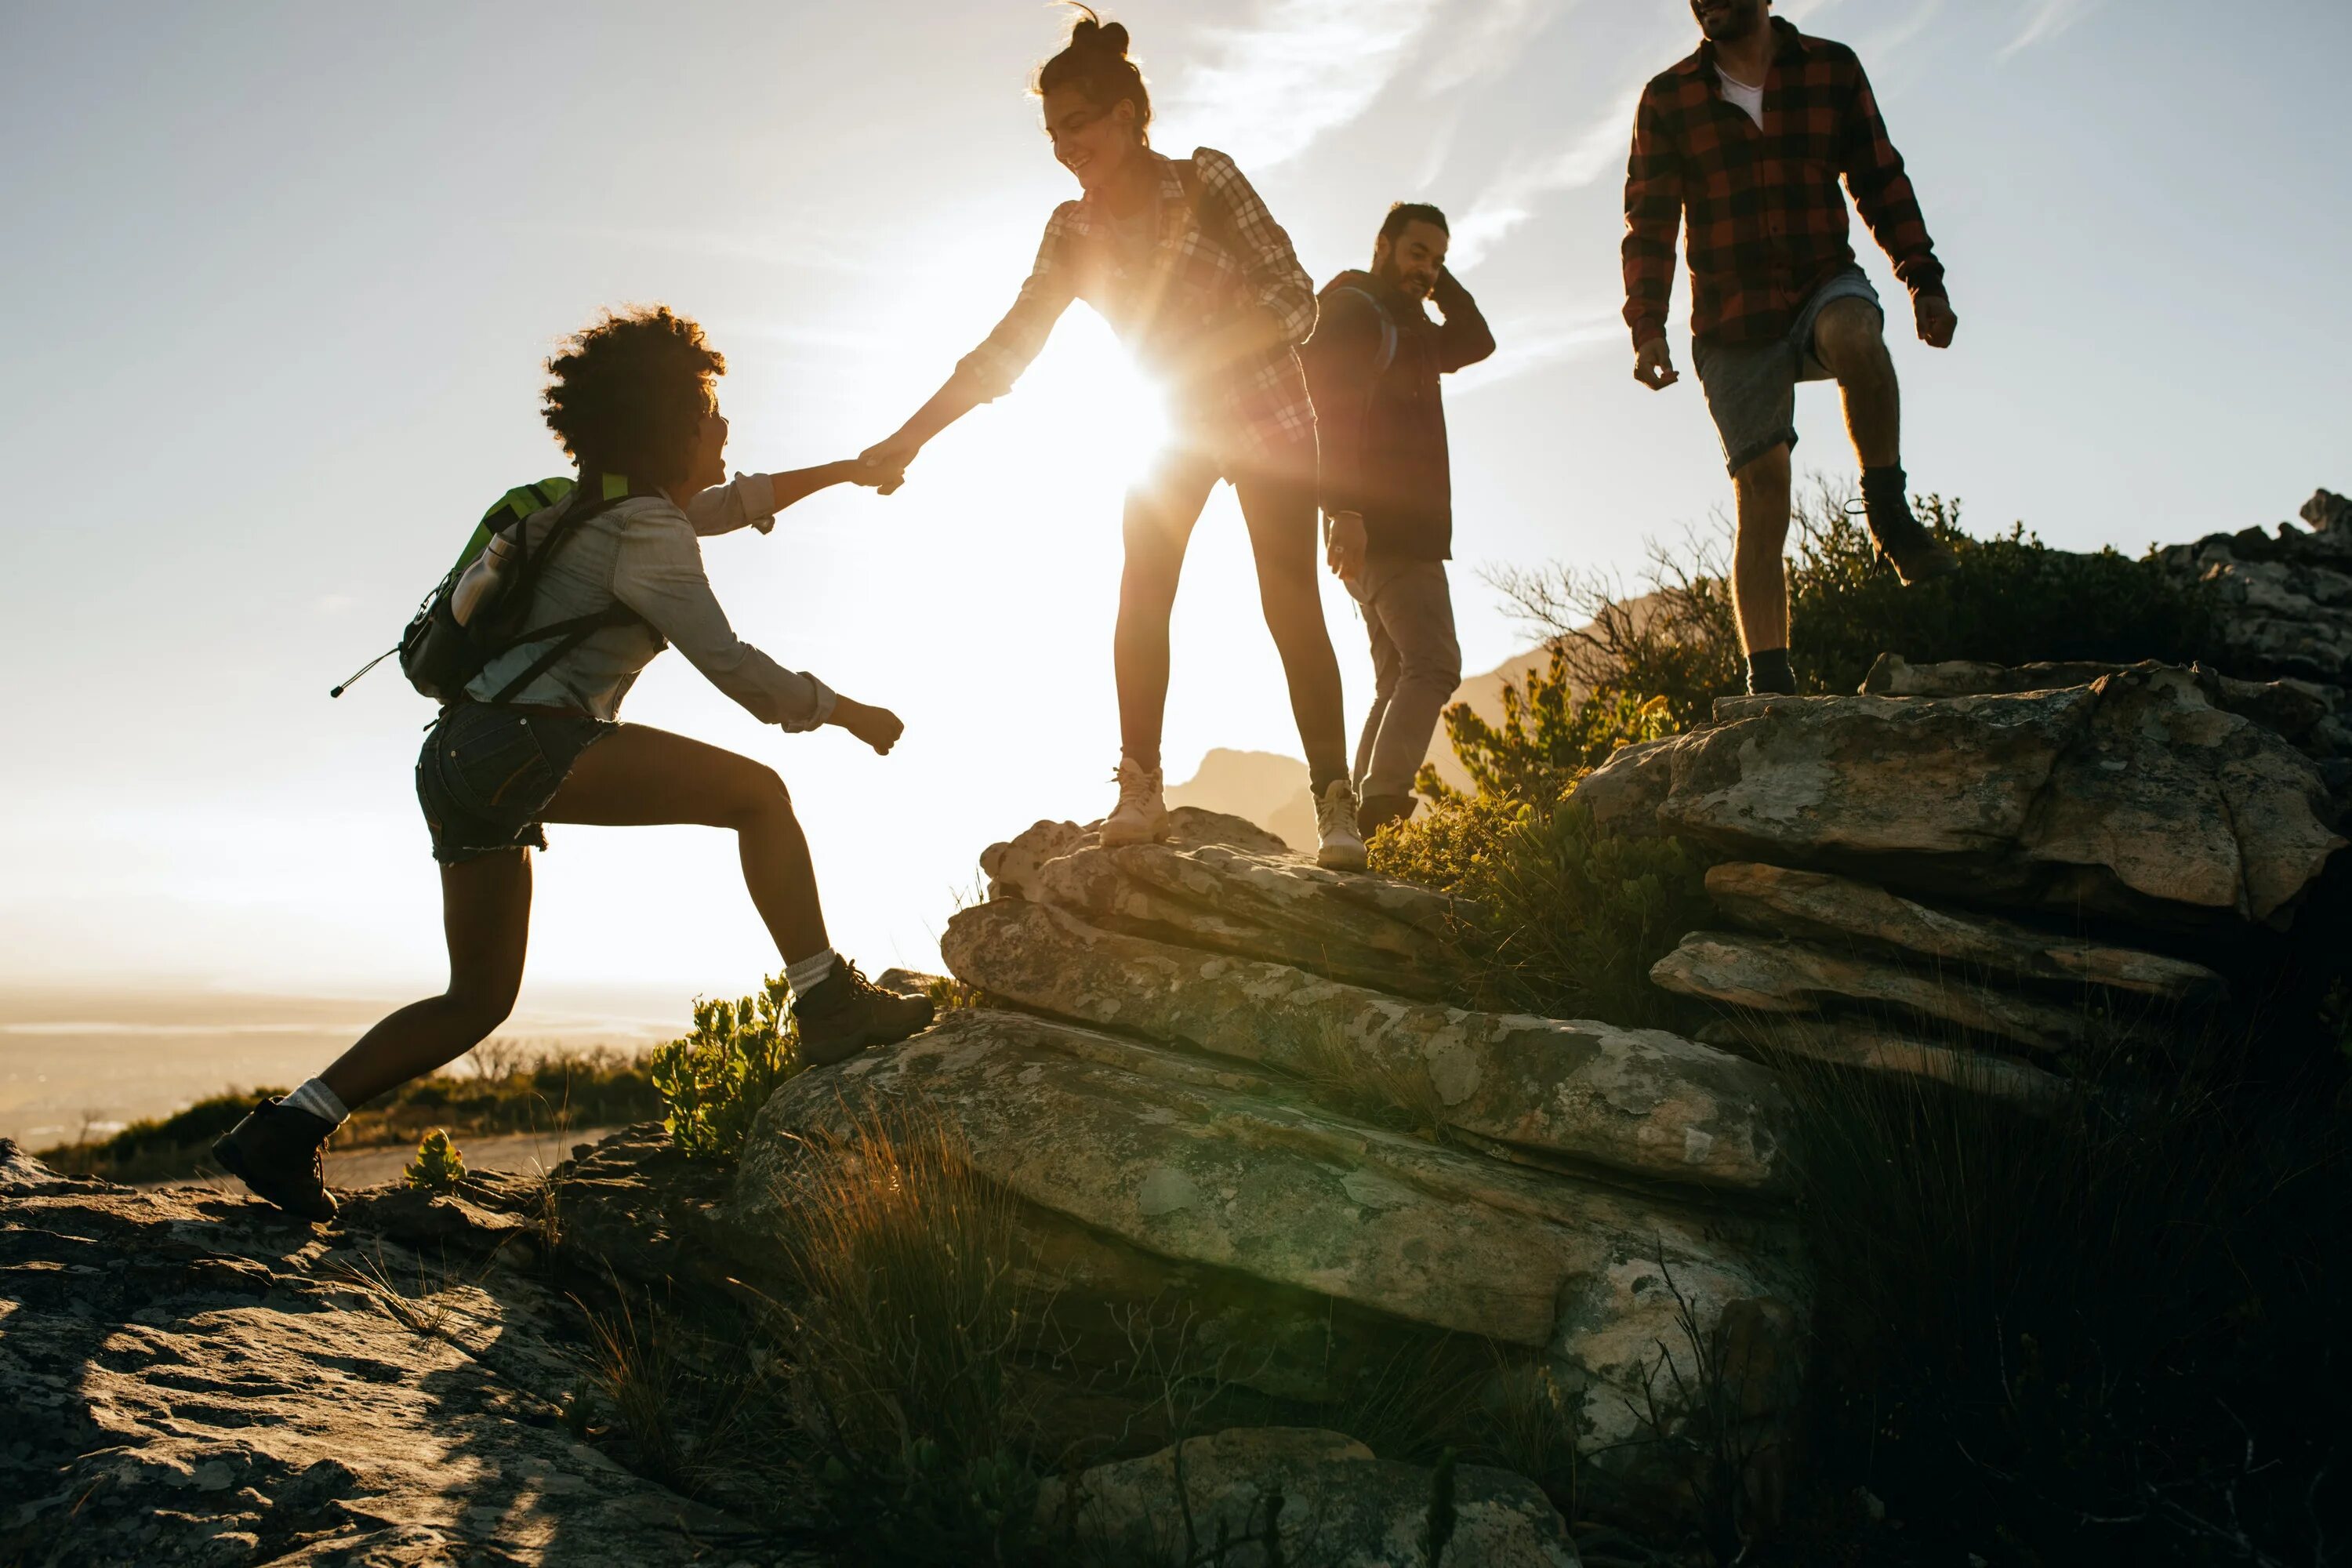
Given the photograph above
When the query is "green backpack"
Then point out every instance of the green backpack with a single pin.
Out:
(481, 607)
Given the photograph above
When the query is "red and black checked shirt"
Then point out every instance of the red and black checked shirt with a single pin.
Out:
(1254, 412)
(1766, 221)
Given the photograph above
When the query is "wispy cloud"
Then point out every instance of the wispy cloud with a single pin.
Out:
(2045, 20)
(1531, 343)
(1510, 199)
(1492, 40)
(1303, 67)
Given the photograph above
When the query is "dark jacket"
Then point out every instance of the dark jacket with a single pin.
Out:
(1383, 435)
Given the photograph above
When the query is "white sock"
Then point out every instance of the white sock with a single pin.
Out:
(806, 974)
(319, 1100)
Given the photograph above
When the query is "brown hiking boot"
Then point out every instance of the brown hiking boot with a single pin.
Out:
(847, 1013)
(276, 1152)
(1904, 541)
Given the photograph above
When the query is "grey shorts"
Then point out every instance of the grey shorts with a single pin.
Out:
(1752, 388)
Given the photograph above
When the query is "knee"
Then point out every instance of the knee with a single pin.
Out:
(1849, 336)
(1764, 478)
(477, 1006)
(760, 796)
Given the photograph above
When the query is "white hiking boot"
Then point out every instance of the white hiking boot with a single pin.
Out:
(1342, 847)
(1141, 815)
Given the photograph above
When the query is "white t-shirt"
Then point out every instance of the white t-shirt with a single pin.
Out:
(1751, 99)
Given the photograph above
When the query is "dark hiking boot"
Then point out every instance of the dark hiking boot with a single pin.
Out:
(847, 1013)
(1380, 810)
(1917, 555)
(275, 1152)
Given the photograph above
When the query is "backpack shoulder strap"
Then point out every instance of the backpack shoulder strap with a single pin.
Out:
(1216, 218)
(1386, 355)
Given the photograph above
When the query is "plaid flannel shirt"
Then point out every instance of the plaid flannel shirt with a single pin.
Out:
(1766, 218)
(1254, 411)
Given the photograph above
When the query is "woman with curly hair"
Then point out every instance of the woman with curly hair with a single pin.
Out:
(534, 741)
(1192, 272)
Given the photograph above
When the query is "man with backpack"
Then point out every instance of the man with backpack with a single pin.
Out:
(1387, 487)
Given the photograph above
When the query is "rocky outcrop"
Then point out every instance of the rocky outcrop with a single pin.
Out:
(1639, 1101)
(2134, 797)
(190, 1379)
(1324, 1497)
(1868, 1045)
(1178, 1159)
(1224, 886)
(2284, 599)
(1247, 1099)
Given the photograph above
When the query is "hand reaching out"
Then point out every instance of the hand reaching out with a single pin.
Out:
(883, 465)
(877, 726)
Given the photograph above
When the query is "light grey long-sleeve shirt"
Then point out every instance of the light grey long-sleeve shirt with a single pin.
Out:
(645, 553)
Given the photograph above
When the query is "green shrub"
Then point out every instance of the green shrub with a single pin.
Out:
(438, 1166)
(1557, 918)
(2015, 601)
(714, 1081)
(1549, 737)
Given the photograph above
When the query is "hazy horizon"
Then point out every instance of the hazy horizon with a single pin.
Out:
(282, 278)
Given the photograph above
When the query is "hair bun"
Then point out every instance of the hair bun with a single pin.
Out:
(1091, 34)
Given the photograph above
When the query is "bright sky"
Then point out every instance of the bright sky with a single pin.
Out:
(279, 280)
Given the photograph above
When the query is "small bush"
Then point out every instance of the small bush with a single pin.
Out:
(438, 1166)
(1558, 918)
(2014, 601)
(714, 1081)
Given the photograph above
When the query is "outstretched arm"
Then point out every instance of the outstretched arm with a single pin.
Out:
(988, 372)
(1654, 216)
(752, 500)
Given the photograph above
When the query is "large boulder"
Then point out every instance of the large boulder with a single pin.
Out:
(1223, 885)
(1640, 1101)
(1211, 1169)
(1838, 912)
(2134, 796)
(1326, 1497)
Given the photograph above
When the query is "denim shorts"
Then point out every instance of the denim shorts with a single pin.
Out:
(1752, 388)
(486, 774)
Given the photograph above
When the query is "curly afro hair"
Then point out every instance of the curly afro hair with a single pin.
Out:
(628, 396)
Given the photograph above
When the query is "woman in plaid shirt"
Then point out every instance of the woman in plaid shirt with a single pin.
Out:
(1201, 283)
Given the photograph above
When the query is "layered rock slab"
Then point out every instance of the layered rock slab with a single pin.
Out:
(2134, 796)
(1641, 1101)
(1182, 1160)
(1325, 1496)
(1766, 975)
(1821, 908)
(1870, 1047)
(1227, 887)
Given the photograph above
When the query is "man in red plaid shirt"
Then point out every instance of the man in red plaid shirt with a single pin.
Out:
(1742, 144)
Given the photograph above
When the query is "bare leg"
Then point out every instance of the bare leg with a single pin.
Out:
(1160, 513)
(1281, 527)
(639, 776)
(1759, 582)
(1850, 338)
(486, 917)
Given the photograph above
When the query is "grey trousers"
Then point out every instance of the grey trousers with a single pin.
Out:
(1416, 664)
